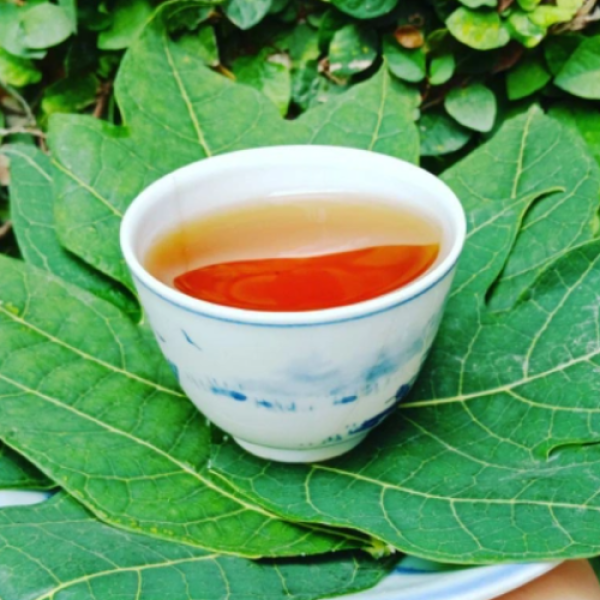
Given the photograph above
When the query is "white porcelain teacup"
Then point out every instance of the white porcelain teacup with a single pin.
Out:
(302, 386)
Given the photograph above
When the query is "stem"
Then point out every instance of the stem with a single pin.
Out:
(12, 130)
(26, 108)
(5, 229)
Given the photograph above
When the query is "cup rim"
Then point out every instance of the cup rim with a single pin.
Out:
(196, 170)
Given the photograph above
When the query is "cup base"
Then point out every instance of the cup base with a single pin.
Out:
(301, 455)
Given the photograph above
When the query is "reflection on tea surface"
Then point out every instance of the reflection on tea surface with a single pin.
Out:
(297, 255)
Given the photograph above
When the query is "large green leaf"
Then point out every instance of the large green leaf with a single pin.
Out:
(549, 156)
(17, 473)
(168, 100)
(86, 396)
(495, 455)
(58, 550)
(32, 214)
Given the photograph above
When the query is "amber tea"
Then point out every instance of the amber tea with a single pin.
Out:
(297, 254)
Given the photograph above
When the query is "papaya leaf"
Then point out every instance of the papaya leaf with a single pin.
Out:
(32, 214)
(495, 455)
(172, 106)
(66, 553)
(86, 396)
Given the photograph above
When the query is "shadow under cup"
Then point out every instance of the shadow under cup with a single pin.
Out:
(302, 386)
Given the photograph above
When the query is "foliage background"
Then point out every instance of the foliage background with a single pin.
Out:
(472, 63)
(468, 66)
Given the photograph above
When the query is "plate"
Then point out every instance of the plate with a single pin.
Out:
(416, 579)
(413, 578)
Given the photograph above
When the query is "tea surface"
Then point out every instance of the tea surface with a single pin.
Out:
(297, 255)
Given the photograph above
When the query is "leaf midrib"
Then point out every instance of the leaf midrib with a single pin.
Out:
(133, 569)
(209, 484)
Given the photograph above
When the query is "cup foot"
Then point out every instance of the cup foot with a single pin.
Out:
(301, 455)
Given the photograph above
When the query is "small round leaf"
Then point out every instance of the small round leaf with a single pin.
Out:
(441, 69)
(580, 75)
(441, 135)
(473, 106)
(246, 14)
(405, 64)
(352, 50)
(524, 30)
(529, 76)
(45, 25)
(479, 30)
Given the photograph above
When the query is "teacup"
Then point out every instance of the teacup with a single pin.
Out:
(296, 386)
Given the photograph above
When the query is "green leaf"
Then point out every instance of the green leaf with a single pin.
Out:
(377, 115)
(479, 3)
(11, 32)
(32, 215)
(473, 106)
(479, 30)
(164, 93)
(302, 44)
(332, 21)
(529, 76)
(268, 73)
(405, 64)
(365, 9)
(17, 71)
(306, 82)
(70, 8)
(546, 15)
(45, 25)
(66, 553)
(353, 49)
(494, 456)
(186, 15)
(246, 14)
(72, 94)
(540, 240)
(528, 5)
(585, 120)
(524, 30)
(441, 135)
(201, 44)
(66, 356)
(580, 75)
(17, 473)
(558, 49)
(441, 69)
(129, 18)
